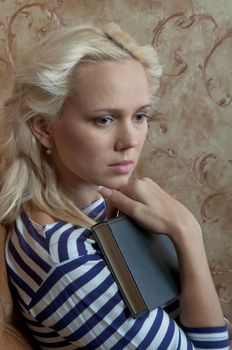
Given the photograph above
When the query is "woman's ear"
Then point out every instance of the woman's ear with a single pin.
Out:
(41, 129)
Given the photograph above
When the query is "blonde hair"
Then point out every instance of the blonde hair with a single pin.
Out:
(43, 82)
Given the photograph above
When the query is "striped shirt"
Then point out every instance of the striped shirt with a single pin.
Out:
(69, 298)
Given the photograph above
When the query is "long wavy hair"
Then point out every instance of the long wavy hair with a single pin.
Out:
(45, 78)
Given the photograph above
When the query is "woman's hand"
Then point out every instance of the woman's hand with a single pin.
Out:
(151, 207)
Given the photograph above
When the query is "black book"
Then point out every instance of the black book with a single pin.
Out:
(144, 264)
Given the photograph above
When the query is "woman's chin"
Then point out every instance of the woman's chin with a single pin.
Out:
(119, 183)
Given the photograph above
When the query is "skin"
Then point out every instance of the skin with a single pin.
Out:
(105, 123)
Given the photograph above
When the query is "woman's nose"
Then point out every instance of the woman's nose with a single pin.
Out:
(127, 138)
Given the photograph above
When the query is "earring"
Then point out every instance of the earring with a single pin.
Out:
(48, 151)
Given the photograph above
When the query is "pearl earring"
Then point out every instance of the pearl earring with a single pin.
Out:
(48, 151)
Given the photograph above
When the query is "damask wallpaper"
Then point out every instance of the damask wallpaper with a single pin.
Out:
(189, 146)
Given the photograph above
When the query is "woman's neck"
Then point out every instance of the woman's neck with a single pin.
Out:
(83, 196)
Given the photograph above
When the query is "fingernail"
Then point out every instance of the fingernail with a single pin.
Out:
(106, 192)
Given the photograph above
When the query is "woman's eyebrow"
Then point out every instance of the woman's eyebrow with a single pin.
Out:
(145, 106)
(114, 110)
(106, 109)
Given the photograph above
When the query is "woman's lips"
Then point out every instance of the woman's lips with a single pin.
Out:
(123, 167)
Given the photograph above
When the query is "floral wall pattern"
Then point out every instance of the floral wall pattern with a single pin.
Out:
(189, 146)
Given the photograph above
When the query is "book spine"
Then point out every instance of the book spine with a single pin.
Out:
(119, 268)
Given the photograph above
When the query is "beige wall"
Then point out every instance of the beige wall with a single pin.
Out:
(189, 148)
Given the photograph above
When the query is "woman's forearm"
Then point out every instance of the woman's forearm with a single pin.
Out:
(199, 303)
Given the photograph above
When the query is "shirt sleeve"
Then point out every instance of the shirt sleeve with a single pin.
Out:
(80, 306)
(208, 337)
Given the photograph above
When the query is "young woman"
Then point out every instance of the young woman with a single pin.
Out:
(72, 134)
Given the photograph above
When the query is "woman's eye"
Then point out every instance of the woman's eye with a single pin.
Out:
(140, 117)
(104, 120)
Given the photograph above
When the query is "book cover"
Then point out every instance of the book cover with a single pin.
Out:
(144, 264)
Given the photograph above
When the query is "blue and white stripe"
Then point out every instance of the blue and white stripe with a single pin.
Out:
(69, 298)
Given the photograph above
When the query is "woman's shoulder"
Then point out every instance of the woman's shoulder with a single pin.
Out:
(60, 241)
(96, 211)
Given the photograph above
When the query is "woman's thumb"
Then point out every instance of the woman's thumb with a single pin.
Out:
(117, 199)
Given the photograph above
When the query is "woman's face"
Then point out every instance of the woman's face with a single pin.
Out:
(102, 129)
